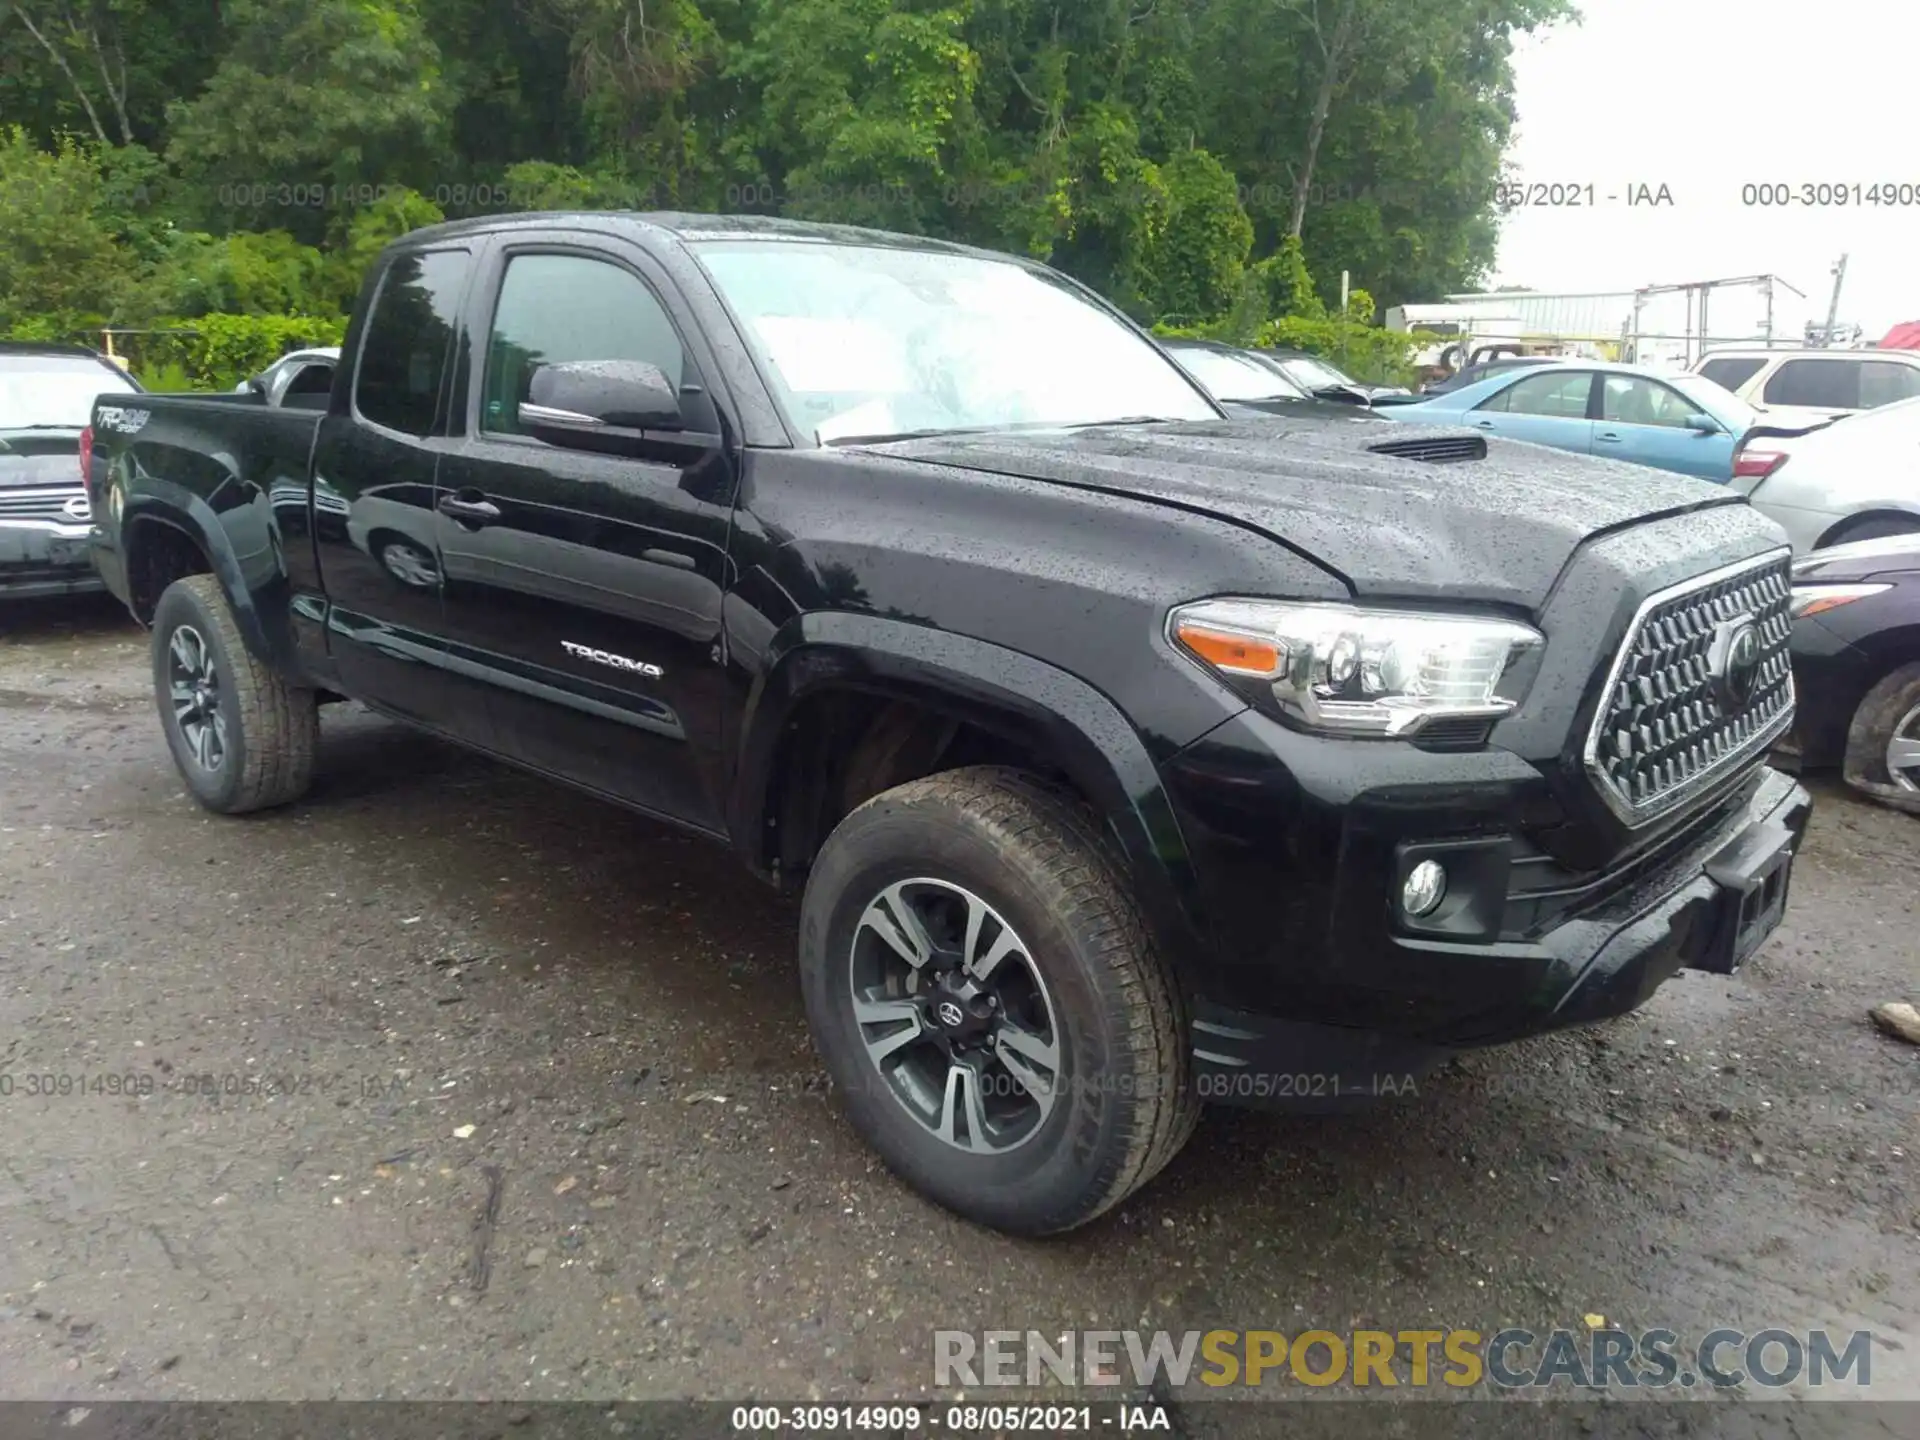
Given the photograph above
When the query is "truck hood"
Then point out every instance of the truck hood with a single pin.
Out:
(39, 457)
(1497, 529)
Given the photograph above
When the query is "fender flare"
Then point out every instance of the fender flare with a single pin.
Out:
(1002, 691)
(260, 603)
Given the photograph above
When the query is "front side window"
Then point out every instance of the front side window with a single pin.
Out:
(404, 357)
(1560, 396)
(869, 341)
(1628, 400)
(555, 309)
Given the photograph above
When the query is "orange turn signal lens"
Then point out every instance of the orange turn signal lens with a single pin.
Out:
(1236, 654)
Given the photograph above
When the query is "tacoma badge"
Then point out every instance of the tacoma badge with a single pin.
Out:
(618, 662)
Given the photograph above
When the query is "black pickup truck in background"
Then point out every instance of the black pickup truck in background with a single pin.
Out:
(1129, 755)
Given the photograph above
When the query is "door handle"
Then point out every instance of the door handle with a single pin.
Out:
(1483, 425)
(1608, 435)
(674, 558)
(469, 512)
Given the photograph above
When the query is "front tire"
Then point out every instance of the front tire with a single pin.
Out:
(983, 991)
(243, 738)
(1883, 742)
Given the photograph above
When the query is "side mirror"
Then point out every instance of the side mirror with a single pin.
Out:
(589, 397)
(1703, 424)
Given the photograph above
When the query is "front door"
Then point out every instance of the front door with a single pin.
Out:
(1649, 423)
(584, 585)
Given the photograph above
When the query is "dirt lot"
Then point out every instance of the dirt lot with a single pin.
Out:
(461, 981)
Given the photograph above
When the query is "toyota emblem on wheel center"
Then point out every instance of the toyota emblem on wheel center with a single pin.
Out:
(950, 1014)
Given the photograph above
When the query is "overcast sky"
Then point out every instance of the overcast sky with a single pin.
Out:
(1706, 97)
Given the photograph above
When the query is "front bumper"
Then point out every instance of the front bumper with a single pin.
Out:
(43, 557)
(1336, 997)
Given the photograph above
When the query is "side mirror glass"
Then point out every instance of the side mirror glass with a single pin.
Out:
(587, 397)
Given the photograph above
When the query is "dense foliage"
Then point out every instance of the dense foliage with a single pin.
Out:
(163, 160)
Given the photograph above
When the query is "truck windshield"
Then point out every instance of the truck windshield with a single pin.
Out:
(53, 392)
(865, 342)
(1315, 374)
(1231, 378)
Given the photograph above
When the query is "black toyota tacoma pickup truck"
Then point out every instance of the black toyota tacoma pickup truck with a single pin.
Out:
(1129, 755)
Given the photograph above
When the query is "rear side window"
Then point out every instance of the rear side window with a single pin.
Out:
(1884, 381)
(404, 357)
(1825, 384)
(1562, 395)
(1732, 372)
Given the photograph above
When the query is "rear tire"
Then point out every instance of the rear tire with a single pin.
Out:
(243, 738)
(1884, 738)
(1878, 527)
(961, 868)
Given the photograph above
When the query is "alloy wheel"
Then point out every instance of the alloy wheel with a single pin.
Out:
(410, 566)
(1903, 752)
(193, 685)
(954, 1015)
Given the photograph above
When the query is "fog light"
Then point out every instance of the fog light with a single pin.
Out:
(1426, 887)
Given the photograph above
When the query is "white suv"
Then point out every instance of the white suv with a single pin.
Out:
(1794, 387)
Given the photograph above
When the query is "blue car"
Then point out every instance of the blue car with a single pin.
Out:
(1671, 422)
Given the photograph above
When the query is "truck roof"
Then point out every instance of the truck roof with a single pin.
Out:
(686, 226)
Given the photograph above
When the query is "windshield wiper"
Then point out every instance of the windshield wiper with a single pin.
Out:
(884, 439)
(1126, 420)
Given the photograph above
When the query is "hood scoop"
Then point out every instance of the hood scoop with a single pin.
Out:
(1435, 449)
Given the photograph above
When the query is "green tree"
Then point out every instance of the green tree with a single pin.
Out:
(246, 273)
(1195, 259)
(312, 100)
(361, 235)
(543, 185)
(59, 263)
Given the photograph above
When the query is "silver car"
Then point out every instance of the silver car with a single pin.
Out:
(298, 379)
(1855, 479)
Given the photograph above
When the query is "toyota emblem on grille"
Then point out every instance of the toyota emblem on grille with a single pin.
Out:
(1734, 663)
(77, 508)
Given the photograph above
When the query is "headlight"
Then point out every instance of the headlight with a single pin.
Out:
(1813, 599)
(1349, 670)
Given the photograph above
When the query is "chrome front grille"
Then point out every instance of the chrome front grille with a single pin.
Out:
(63, 504)
(1688, 700)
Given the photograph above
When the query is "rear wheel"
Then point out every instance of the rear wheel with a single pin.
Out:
(1877, 527)
(984, 993)
(243, 739)
(1883, 743)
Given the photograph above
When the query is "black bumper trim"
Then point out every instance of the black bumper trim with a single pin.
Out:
(1603, 962)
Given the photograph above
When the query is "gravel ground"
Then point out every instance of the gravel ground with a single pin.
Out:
(549, 1126)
